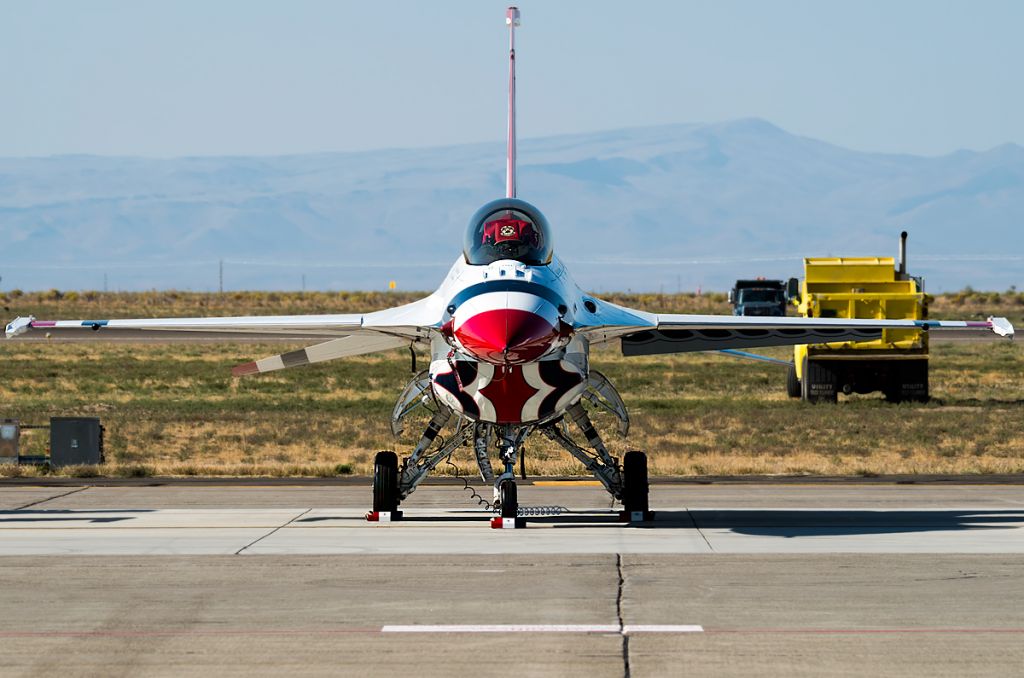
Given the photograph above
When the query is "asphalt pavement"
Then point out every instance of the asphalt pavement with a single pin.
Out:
(729, 579)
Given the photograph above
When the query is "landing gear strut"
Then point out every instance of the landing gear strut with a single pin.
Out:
(627, 483)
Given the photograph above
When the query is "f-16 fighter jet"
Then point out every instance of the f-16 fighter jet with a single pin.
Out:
(509, 334)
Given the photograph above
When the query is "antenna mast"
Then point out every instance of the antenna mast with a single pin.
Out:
(511, 20)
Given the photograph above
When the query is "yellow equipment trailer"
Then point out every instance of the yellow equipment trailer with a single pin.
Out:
(862, 287)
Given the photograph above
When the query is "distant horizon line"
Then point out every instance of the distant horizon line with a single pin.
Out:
(699, 291)
(500, 143)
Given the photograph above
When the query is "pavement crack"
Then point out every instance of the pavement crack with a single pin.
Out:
(699, 531)
(259, 539)
(618, 613)
(43, 501)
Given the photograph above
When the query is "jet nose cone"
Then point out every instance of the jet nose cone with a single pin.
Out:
(506, 336)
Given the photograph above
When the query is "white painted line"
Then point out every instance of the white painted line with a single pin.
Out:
(501, 628)
(542, 628)
(629, 629)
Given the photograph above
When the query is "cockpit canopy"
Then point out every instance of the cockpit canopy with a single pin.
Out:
(508, 229)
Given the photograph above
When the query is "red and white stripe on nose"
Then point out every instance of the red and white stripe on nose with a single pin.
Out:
(506, 328)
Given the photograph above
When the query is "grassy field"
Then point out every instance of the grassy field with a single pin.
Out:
(175, 409)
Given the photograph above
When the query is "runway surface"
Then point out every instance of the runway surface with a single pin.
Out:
(727, 580)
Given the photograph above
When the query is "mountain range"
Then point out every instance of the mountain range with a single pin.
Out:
(643, 209)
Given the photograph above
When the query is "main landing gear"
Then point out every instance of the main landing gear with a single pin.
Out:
(626, 482)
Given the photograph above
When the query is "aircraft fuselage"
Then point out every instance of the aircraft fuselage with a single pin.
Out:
(507, 352)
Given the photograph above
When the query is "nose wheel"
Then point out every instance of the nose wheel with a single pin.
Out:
(507, 505)
(508, 498)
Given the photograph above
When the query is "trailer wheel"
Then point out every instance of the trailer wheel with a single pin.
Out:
(819, 382)
(792, 383)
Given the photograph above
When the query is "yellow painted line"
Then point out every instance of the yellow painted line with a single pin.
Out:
(559, 483)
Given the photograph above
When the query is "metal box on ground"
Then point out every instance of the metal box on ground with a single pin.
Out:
(10, 435)
(75, 441)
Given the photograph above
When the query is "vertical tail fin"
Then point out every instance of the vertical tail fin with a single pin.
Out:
(511, 20)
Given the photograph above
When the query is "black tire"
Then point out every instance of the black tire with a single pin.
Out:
(908, 383)
(508, 497)
(385, 481)
(635, 488)
(792, 383)
(921, 393)
(819, 382)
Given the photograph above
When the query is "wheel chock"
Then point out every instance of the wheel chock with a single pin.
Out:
(383, 516)
(636, 516)
(499, 523)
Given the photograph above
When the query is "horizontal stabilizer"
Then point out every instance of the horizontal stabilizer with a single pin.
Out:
(343, 347)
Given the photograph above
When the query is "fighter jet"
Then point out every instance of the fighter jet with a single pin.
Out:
(509, 335)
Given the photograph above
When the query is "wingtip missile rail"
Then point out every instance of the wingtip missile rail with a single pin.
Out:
(19, 326)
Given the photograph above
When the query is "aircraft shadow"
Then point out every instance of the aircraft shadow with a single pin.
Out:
(52, 519)
(57, 512)
(787, 523)
(760, 522)
(67, 515)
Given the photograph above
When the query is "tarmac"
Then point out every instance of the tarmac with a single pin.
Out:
(161, 578)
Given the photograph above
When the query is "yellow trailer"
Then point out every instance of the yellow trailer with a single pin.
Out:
(861, 287)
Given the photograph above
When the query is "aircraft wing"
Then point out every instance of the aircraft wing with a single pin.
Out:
(683, 333)
(411, 322)
(645, 333)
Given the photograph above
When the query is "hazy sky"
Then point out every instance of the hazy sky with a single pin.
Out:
(216, 77)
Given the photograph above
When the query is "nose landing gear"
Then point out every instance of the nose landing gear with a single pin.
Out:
(506, 496)
(507, 505)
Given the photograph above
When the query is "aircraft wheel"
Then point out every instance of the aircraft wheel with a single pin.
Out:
(508, 498)
(634, 481)
(385, 481)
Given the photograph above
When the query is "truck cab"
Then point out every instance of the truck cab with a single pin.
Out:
(758, 297)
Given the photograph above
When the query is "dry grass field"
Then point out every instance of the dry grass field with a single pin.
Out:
(174, 409)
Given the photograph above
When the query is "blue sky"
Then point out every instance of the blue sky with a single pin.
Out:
(209, 78)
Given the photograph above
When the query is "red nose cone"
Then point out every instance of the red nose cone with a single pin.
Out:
(506, 336)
